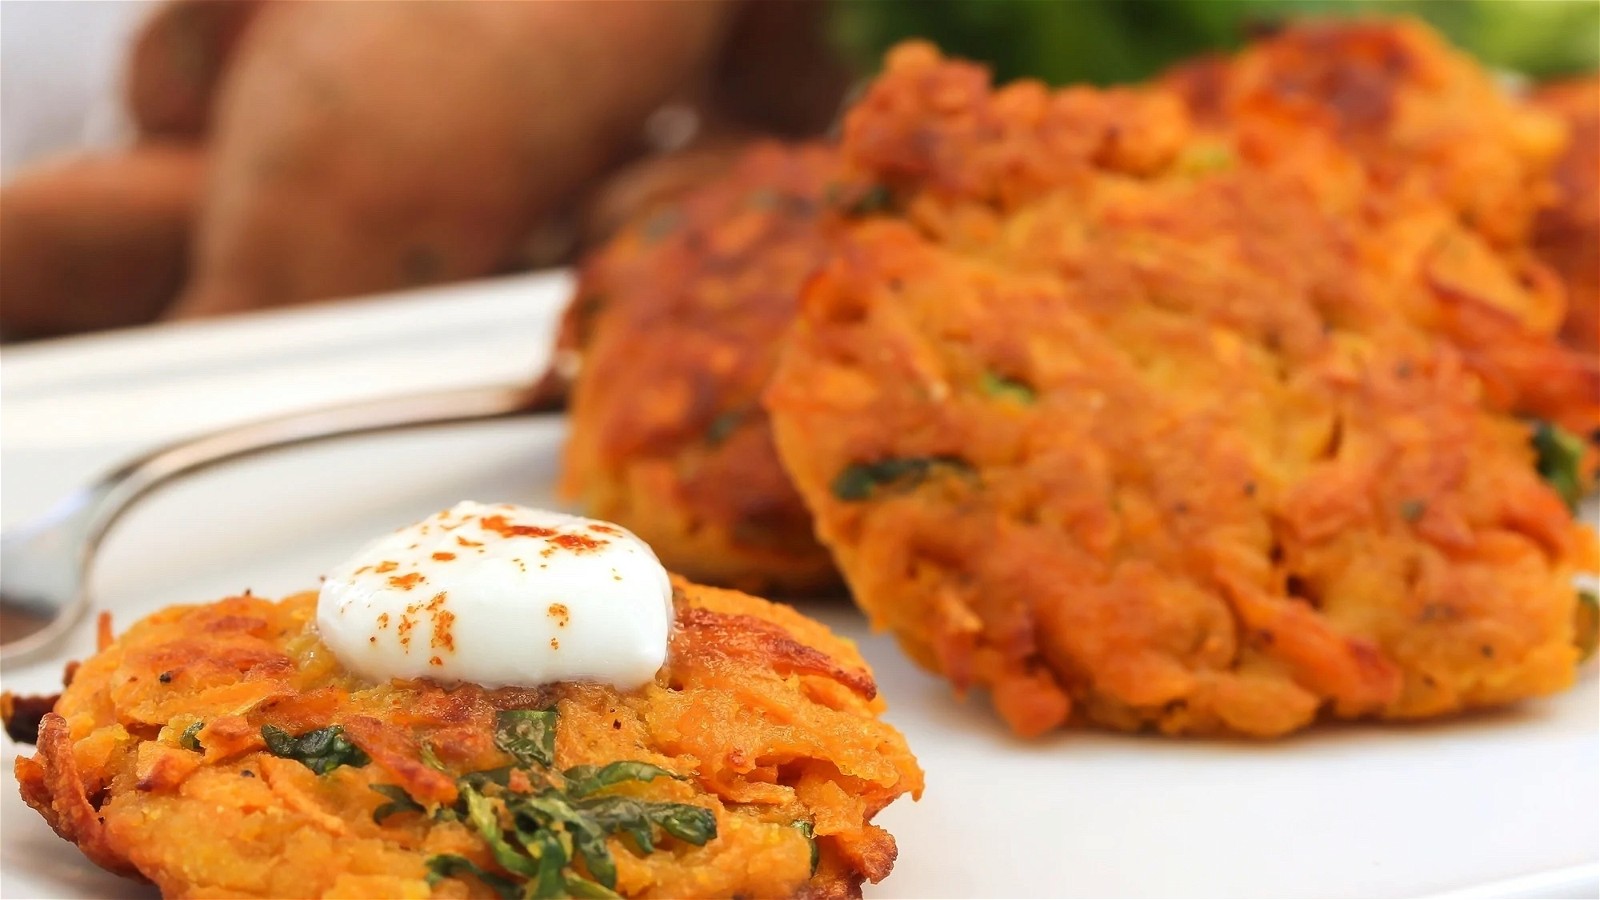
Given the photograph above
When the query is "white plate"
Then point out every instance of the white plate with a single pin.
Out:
(1493, 805)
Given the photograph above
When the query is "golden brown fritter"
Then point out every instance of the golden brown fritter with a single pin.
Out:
(1567, 234)
(155, 760)
(669, 440)
(1130, 425)
(1422, 116)
(678, 320)
(1437, 138)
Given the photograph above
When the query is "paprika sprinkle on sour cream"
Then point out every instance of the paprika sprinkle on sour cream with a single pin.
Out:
(466, 606)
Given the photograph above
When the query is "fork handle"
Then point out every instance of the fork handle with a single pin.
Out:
(116, 491)
(45, 590)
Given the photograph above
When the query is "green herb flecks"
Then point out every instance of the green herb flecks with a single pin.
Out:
(585, 780)
(858, 481)
(1007, 388)
(190, 739)
(810, 832)
(448, 865)
(527, 734)
(553, 821)
(538, 836)
(321, 751)
(874, 199)
(1412, 510)
(690, 824)
(723, 426)
(623, 815)
(584, 888)
(399, 802)
(479, 780)
(483, 814)
(1586, 623)
(430, 758)
(1560, 461)
(1204, 158)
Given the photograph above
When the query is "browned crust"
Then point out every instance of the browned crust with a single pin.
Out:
(1265, 467)
(52, 785)
(22, 714)
(401, 758)
(1567, 233)
(139, 803)
(677, 320)
(1421, 115)
(768, 644)
(1432, 129)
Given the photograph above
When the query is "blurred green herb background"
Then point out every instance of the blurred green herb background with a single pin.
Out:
(1107, 41)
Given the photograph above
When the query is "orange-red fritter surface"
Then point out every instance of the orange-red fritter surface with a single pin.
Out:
(767, 718)
(1153, 425)
(677, 320)
(1457, 171)
(1567, 234)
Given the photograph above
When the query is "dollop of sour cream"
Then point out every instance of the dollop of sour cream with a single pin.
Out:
(500, 595)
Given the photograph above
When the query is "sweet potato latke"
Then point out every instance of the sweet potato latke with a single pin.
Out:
(1426, 120)
(189, 750)
(677, 321)
(1567, 234)
(679, 317)
(1152, 426)
(1455, 173)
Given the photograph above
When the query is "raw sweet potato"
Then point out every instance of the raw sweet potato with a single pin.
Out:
(176, 61)
(371, 146)
(96, 241)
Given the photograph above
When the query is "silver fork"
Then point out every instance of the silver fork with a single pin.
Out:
(45, 565)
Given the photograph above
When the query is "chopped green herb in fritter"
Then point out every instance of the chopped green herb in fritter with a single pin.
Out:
(810, 832)
(1560, 460)
(723, 426)
(537, 834)
(399, 802)
(585, 780)
(448, 865)
(875, 199)
(1000, 386)
(190, 739)
(321, 751)
(857, 482)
